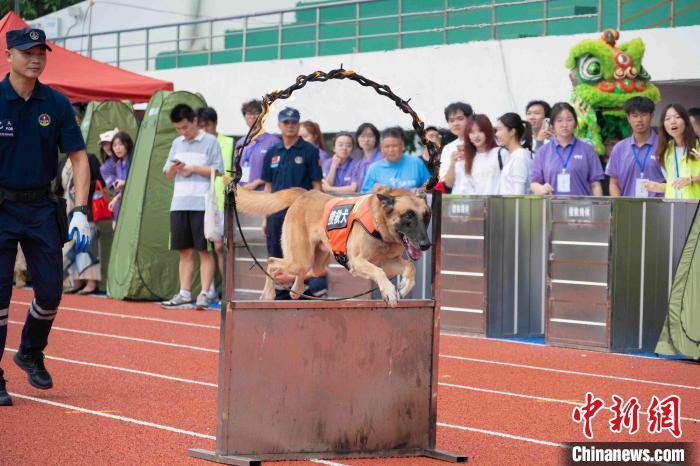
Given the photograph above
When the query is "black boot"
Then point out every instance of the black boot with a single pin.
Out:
(33, 365)
(5, 399)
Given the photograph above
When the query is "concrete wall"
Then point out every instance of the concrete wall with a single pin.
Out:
(494, 76)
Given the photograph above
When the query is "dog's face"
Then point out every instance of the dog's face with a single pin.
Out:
(407, 217)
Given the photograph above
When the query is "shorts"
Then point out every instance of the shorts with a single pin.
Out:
(187, 230)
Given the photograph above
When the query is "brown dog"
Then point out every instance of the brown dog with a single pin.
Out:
(400, 223)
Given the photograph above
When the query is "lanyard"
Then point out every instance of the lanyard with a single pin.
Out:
(571, 152)
(643, 164)
(675, 154)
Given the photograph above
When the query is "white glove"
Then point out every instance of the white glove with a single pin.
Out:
(80, 231)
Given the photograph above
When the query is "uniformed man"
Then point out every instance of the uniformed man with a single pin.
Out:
(35, 123)
(293, 163)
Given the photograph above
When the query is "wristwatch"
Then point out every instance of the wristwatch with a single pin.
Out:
(81, 208)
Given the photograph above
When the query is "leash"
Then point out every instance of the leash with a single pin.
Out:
(301, 81)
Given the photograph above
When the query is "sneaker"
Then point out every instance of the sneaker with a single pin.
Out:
(212, 295)
(33, 365)
(5, 399)
(202, 301)
(177, 302)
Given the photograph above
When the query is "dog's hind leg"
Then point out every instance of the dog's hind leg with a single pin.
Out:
(268, 292)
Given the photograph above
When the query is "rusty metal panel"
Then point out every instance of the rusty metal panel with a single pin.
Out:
(345, 376)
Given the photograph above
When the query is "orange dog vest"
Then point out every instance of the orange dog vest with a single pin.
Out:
(340, 215)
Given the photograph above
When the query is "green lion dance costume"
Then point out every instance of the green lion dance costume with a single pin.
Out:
(605, 76)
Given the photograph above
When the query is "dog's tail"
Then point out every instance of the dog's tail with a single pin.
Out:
(259, 203)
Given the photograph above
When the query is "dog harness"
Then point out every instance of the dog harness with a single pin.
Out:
(340, 215)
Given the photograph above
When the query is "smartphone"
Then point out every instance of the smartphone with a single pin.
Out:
(547, 123)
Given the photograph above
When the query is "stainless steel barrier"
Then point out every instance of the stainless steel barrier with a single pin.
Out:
(611, 263)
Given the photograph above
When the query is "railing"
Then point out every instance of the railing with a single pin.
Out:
(368, 25)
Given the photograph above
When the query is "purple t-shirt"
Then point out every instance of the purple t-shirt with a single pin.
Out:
(364, 163)
(627, 169)
(323, 155)
(254, 155)
(344, 174)
(583, 166)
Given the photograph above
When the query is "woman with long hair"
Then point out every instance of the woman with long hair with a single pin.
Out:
(340, 171)
(678, 153)
(310, 132)
(367, 137)
(116, 172)
(566, 165)
(515, 136)
(475, 167)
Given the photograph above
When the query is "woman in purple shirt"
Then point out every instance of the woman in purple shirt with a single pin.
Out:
(367, 137)
(340, 171)
(116, 169)
(566, 166)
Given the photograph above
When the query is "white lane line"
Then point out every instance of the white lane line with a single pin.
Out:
(120, 337)
(125, 369)
(501, 434)
(113, 416)
(127, 316)
(563, 371)
(537, 398)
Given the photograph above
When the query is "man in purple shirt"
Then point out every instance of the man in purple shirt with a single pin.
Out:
(254, 153)
(633, 160)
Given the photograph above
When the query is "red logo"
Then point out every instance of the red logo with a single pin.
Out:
(44, 119)
(587, 412)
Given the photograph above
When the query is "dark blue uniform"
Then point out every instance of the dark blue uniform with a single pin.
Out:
(31, 134)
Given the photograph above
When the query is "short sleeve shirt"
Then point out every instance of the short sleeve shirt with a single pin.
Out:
(628, 163)
(407, 173)
(345, 174)
(583, 166)
(32, 133)
(364, 163)
(189, 191)
(296, 167)
(254, 155)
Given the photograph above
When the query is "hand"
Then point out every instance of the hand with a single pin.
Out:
(544, 134)
(682, 182)
(119, 184)
(184, 169)
(458, 155)
(543, 189)
(79, 231)
(324, 185)
(695, 153)
(112, 204)
(654, 187)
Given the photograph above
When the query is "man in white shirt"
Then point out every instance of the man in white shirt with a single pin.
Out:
(457, 115)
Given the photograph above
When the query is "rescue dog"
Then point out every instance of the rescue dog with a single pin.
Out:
(400, 224)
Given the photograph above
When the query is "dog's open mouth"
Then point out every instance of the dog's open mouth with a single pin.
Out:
(413, 252)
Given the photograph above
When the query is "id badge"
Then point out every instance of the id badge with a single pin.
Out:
(563, 183)
(245, 174)
(639, 190)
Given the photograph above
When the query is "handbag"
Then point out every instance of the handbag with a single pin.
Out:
(212, 215)
(100, 208)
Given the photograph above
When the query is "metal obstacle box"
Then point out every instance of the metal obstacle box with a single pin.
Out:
(320, 379)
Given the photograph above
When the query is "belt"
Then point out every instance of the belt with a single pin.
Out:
(27, 196)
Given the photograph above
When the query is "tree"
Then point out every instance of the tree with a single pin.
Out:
(32, 9)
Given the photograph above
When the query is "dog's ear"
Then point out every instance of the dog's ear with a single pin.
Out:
(387, 202)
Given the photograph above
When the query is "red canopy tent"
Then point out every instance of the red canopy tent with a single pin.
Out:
(83, 79)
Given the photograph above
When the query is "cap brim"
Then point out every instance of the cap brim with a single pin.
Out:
(288, 119)
(29, 45)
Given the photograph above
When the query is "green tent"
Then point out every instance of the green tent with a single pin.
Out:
(141, 265)
(100, 117)
(681, 331)
(104, 116)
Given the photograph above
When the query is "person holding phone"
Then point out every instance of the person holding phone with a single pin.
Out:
(679, 153)
(566, 165)
(538, 114)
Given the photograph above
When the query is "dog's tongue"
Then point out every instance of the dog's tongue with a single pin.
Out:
(413, 252)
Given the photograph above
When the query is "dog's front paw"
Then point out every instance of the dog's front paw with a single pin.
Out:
(267, 295)
(390, 295)
(405, 285)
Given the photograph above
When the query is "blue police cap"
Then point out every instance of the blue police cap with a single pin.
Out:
(23, 39)
(288, 114)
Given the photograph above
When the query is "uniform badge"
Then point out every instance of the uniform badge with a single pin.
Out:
(44, 119)
(33, 35)
(298, 159)
(275, 161)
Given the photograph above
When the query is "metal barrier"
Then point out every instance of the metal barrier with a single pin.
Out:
(309, 380)
(611, 265)
(354, 26)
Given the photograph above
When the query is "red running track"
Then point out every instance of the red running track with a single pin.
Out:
(135, 384)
